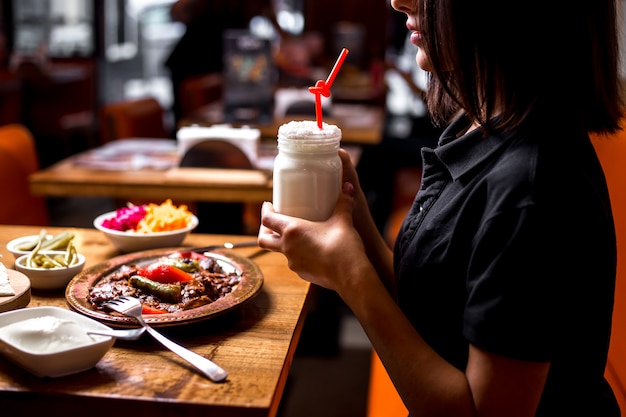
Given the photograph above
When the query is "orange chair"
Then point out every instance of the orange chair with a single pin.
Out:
(383, 399)
(133, 118)
(612, 153)
(18, 159)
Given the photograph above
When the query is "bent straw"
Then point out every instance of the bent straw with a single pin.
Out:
(322, 88)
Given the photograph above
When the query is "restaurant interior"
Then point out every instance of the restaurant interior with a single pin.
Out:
(79, 75)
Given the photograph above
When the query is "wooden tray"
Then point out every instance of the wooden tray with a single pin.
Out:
(21, 285)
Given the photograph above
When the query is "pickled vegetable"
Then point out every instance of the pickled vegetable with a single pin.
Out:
(39, 260)
(169, 293)
(45, 261)
(59, 241)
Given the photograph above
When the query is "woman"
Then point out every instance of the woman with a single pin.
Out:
(497, 299)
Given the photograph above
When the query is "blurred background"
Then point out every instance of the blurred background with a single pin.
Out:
(64, 63)
(71, 57)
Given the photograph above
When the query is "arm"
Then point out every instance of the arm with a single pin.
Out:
(492, 386)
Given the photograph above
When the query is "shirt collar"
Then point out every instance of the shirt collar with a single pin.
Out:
(461, 154)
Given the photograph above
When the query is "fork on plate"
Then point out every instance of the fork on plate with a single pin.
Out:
(124, 334)
(130, 306)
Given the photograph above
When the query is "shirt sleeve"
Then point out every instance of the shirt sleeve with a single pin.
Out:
(512, 303)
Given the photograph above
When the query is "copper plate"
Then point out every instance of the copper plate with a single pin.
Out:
(77, 292)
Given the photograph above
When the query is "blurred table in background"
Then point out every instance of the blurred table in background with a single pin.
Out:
(359, 124)
(148, 169)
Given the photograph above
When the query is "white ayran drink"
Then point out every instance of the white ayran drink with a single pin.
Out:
(307, 170)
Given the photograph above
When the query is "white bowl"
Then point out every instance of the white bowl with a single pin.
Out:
(49, 278)
(133, 242)
(13, 244)
(51, 341)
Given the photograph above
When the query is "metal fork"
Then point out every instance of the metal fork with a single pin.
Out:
(124, 334)
(130, 306)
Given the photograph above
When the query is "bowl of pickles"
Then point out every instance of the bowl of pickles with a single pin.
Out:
(50, 269)
(26, 244)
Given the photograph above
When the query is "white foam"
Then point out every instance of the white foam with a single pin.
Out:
(308, 129)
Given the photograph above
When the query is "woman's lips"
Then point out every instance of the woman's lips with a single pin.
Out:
(416, 37)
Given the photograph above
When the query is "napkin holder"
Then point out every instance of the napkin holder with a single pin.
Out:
(247, 139)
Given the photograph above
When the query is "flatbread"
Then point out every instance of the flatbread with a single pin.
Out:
(5, 285)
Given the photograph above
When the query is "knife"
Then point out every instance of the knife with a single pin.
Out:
(225, 245)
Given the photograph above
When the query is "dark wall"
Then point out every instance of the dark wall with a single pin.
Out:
(323, 15)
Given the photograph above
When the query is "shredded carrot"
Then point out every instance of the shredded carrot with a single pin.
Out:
(164, 217)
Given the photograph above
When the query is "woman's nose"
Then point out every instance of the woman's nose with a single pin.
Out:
(404, 6)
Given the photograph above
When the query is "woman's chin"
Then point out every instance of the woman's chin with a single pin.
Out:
(423, 61)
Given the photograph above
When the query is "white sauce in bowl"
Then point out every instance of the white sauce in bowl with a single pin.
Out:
(46, 334)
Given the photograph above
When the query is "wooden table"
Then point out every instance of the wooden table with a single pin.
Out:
(359, 124)
(197, 184)
(255, 344)
(71, 177)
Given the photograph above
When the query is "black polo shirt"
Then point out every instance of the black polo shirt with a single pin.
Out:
(510, 246)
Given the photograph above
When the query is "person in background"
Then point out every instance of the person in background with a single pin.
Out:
(497, 297)
(200, 49)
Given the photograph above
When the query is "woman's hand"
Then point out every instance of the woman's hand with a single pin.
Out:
(325, 252)
(320, 252)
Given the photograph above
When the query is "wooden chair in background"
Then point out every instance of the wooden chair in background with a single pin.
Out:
(222, 217)
(18, 159)
(133, 118)
(199, 91)
(59, 106)
(11, 98)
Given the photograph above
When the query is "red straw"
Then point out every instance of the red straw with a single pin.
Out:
(322, 88)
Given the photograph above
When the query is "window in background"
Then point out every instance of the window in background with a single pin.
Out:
(289, 16)
(54, 28)
(138, 36)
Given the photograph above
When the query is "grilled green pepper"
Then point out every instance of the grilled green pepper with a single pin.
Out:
(184, 264)
(169, 293)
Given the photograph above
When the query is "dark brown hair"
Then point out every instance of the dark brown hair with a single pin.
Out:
(519, 59)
